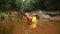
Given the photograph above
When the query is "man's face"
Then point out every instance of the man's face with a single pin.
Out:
(27, 14)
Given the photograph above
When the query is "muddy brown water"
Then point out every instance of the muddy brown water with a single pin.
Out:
(17, 26)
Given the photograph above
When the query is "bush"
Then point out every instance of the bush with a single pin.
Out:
(2, 15)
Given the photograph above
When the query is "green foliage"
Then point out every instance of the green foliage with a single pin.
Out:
(29, 5)
(2, 14)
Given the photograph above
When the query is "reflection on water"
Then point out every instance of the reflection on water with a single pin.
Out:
(13, 25)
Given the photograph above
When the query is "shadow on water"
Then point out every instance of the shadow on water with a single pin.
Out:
(7, 25)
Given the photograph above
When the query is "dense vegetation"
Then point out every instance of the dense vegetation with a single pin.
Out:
(30, 5)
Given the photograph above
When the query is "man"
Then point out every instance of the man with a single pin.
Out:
(27, 18)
